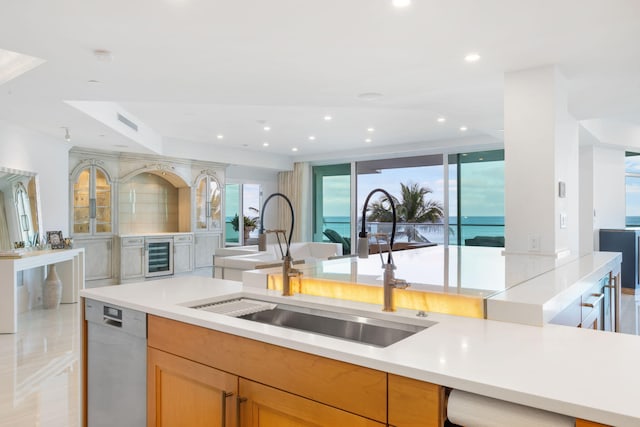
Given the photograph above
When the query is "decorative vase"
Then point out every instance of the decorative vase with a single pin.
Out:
(52, 292)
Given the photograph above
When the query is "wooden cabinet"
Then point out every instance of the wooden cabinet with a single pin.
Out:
(342, 386)
(263, 406)
(414, 403)
(205, 246)
(185, 393)
(182, 253)
(584, 423)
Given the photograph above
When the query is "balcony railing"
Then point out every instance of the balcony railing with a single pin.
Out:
(417, 232)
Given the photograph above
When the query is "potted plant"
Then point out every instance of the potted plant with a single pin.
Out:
(249, 224)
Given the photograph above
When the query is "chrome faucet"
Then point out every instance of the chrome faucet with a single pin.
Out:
(287, 261)
(389, 281)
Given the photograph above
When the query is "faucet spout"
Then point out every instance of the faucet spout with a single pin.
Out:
(389, 284)
(287, 274)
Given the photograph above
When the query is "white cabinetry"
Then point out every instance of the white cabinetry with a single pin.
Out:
(206, 244)
(208, 217)
(182, 253)
(92, 199)
(98, 259)
(132, 260)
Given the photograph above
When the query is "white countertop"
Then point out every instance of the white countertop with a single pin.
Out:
(538, 300)
(577, 372)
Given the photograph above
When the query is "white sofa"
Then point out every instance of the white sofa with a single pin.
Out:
(229, 263)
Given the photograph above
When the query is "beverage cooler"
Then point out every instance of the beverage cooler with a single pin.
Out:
(159, 256)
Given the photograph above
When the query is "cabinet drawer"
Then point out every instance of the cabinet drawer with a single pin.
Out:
(133, 241)
(183, 239)
(345, 386)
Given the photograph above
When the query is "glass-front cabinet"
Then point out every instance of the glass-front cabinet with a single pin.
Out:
(208, 218)
(208, 204)
(92, 222)
(92, 202)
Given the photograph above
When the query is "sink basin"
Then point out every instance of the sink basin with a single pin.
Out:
(367, 330)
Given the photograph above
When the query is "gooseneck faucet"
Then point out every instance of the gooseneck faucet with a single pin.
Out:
(389, 281)
(287, 271)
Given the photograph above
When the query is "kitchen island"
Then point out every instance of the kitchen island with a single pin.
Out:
(576, 372)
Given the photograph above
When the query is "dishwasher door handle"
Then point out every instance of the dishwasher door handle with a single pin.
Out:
(111, 321)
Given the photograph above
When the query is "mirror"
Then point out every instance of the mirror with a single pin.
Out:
(20, 216)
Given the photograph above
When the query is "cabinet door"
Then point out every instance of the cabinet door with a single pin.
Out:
(185, 393)
(132, 265)
(206, 245)
(182, 258)
(414, 403)
(263, 406)
(97, 258)
(583, 423)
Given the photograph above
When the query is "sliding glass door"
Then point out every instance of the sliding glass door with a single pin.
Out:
(332, 205)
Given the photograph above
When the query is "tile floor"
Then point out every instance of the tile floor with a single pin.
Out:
(39, 366)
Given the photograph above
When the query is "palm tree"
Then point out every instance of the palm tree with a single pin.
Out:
(412, 209)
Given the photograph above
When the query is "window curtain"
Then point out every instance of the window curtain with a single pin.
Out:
(292, 184)
(5, 241)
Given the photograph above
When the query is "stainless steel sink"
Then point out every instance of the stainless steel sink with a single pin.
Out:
(367, 330)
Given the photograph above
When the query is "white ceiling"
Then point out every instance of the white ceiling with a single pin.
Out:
(190, 69)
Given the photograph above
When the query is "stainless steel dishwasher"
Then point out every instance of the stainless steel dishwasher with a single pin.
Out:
(116, 365)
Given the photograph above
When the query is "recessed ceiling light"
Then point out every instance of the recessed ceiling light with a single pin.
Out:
(327, 118)
(294, 149)
(472, 57)
(312, 138)
(401, 3)
(265, 144)
(463, 128)
(220, 136)
(103, 55)
(441, 119)
(367, 140)
(267, 128)
(370, 130)
(369, 96)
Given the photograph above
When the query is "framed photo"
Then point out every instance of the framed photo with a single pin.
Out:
(54, 238)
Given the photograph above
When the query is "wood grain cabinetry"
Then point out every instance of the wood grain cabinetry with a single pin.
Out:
(263, 406)
(281, 386)
(414, 403)
(197, 376)
(185, 393)
(583, 423)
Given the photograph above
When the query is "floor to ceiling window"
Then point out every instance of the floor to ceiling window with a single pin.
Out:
(632, 180)
(332, 201)
(471, 214)
(417, 186)
(476, 201)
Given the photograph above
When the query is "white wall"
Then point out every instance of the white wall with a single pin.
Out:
(609, 193)
(32, 151)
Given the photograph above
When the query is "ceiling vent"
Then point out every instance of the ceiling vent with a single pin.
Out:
(128, 122)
